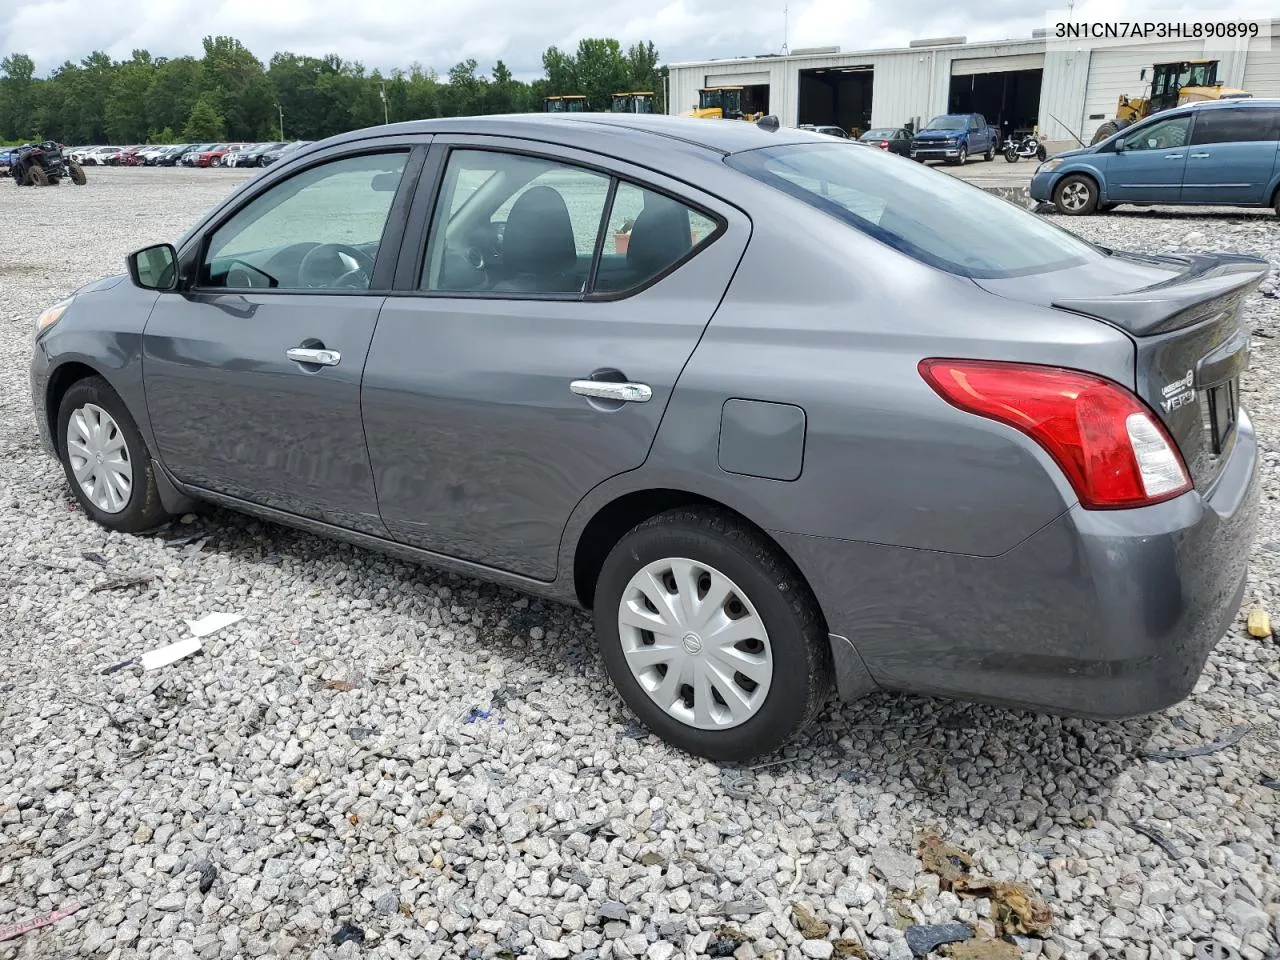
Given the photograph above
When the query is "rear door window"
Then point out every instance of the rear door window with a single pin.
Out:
(1236, 125)
(932, 217)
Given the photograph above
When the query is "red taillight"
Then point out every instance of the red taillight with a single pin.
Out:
(884, 144)
(1112, 448)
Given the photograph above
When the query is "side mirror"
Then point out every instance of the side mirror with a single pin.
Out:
(1120, 145)
(154, 268)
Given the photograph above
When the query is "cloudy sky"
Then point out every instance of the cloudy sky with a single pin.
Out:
(439, 33)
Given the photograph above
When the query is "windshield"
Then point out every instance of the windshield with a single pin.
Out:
(950, 121)
(928, 215)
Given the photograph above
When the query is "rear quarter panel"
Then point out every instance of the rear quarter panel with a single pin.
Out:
(823, 317)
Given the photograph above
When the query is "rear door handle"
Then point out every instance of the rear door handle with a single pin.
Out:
(1199, 156)
(322, 358)
(609, 390)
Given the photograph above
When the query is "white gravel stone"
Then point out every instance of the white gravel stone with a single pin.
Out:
(522, 833)
(819, 949)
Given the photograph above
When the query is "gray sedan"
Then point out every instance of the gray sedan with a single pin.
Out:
(782, 414)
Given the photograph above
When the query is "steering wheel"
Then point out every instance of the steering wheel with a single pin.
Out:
(316, 267)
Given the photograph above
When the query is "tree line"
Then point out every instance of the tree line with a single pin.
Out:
(229, 94)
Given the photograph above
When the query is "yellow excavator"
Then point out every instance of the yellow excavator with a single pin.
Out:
(570, 103)
(721, 103)
(639, 101)
(1172, 85)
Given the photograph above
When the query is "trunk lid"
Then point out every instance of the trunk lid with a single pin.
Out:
(1185, 316)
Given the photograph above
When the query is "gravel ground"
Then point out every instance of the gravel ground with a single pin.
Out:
(443, 765)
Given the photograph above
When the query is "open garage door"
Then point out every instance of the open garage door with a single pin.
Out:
(837, 95)
(1005, 90)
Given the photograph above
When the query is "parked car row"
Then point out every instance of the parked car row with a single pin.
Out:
(951, 137)
(187, 154)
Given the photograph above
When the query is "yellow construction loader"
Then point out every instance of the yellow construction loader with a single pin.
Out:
(721, 103)
(1172, 85)
(639, 101)
(570, 103)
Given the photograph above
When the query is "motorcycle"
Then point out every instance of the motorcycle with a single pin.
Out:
(1029, 146)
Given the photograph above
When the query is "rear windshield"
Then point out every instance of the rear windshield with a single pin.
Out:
(883, 134)
(926, 214)
(949, 122)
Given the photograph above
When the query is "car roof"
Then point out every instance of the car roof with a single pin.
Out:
(1232, 102)
(647, 131)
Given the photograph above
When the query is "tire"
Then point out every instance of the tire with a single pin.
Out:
(77, 174)
(1107, 128)
(762, 584)
(990, 154)
(1041, 153)
(962, 157)
(1076, 196)
(1011, 155)
(105, 502)
(36, 176)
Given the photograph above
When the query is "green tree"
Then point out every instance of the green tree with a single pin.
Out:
(601, 71)
(236, 76)
(127, 120)
(562, 72)
(17, 97)
(205, 122)
(174, 89)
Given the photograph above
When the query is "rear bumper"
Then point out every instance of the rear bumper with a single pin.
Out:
(1103, 614)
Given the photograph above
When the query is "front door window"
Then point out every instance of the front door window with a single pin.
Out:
(319, 230)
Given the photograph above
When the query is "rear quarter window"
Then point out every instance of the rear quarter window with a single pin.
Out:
(926, 214)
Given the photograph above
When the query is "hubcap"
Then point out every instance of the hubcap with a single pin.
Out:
(99, 458)
(1075, 196)
(695, 644)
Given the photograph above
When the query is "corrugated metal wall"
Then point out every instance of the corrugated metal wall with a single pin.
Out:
(915, 82)
(1261, 73)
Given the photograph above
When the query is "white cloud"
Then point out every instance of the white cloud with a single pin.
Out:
(439, 33)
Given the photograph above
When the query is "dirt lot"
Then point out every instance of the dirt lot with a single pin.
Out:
(443, 766)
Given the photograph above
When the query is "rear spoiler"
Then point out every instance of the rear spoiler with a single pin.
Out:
(1205, 286)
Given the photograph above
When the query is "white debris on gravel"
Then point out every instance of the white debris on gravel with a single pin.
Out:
(443, 765)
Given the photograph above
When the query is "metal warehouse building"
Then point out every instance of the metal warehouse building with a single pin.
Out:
(1015, 83)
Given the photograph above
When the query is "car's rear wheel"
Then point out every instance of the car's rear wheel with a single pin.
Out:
(1076, 196)
(106, 460)
(711, 635)
(990, 154)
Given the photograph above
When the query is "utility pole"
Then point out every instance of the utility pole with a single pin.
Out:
(382, 92)
(786, 23)
(281, 109)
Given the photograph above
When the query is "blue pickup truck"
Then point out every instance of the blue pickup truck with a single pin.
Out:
(954, 138)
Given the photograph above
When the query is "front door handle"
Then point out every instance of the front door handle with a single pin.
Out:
(322, 358)
(609, 390)
(1198, 156)
(1174, 156)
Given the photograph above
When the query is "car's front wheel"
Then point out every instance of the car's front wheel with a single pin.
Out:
(1076, 196)
(106, 460)
(711, 635)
